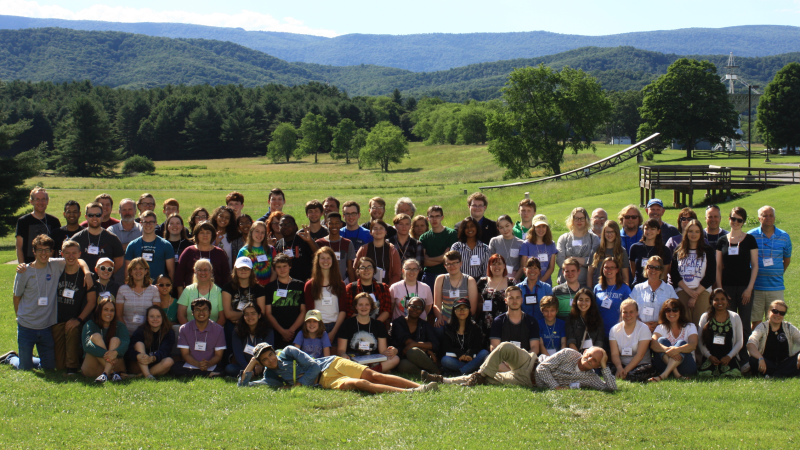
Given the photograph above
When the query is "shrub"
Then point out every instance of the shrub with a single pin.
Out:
(138, 164)
(649, 155)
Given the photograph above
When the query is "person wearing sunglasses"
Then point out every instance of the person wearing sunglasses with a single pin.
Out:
(772, 343)
(737, 269)
(97, 242)
(630, 222)
(104, 284)
(168, 303)
(652, 294)
(674, 342)
(157, 251)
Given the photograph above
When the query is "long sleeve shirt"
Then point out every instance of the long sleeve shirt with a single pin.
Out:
(561, 369)
(160, 348)
(293, 364)
(91, 328)
(423, 333)
(738, 336)
(238, 345)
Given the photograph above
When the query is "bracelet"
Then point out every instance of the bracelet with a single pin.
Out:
(761, 359)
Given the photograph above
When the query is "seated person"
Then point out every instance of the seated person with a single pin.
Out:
(202, 342)
(104, 284)
(293, 367)
(629, 343)
(151, 346)
(553, 331)
(533, 289)
(674, 342)
(312, 338)
(569, 369)
(362, 335)
(584, 326)
(462, 345)
(251, 330)
(515, 326)
(367, 282)
(772, 342)
(202, 287)
(105, 341)
(566, 291)
(720, 338)
(416, 338)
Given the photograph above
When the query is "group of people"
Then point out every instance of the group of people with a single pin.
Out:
(342, 304)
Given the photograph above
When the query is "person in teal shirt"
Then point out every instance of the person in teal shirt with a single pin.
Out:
(105, 341)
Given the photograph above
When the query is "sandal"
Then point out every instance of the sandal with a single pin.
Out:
(683, 378)
(654, 379)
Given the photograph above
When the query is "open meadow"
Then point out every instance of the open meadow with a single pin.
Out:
(47, 410)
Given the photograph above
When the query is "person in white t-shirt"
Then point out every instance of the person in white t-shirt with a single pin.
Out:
(674, 342)
(629, 341)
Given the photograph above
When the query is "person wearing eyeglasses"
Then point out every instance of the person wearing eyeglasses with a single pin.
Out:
(203, 248)
(369, 283)
(357, 234)
(772, 343)
(201, 342)
(126, 230)
(674, 342)
(599, 219)
(97, 242)
(450, 287)
(737, 269)
(652, 294)
(408, 288)
(154, 249)
(385, 256)
(578, 244)
(477, 203)
(774, 256)
(104, 284)
(199, 215)
(436, 242)
(377, 210)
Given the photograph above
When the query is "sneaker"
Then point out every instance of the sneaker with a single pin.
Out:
(474, 380)
(151, 378)
(745, 368)
(767, 377)
(116, 377)
(426, 376)
(101, 379)
(432, 386)
(72, 372)
(6, 356)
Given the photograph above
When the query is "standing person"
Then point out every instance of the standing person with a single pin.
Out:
(105, 341)
(578, 244)
(385, 256)
(474, 253)
(599, 219)
(177, 235)
(610, 293)
(565, 292)
(72, 214)
(243, 223)
(508, 246)
(198, 216)
(377, 209)
(527, 209)
(655, 210)
(674, 342)
(301, 250)
(491, 289)
(235, 202)
(651, 294)
(452, 286)
(136, 295)
(408, 288)
(477, 203)
(713, 231)
(407, 247)
(684, 216)
(151, 346)
(463, 345)
(630, 219)
(774, 256)
(514, 326)
(260, 253)
(419, 226)
(203, 248)
(203, 286)
(241, 291)
(629, 343)
(38, 222)
(325, 292)
(170, 207)
(330, 205)
(539, 244)
(277, 200)
(126, 231)
(201, 342)
(147, 203)
(720, 338)
(694, 269)
(357, 234)
(312, 338)
(227, 231)
(274, 228)
(107, 203)
(284, 305)
(737, 269)
(251, 330)
(96, 242)
(610, 246)
(552, 330)
(416, 340)
(169, 304)
(314, 214)
(157, 251)
(436, 243)
(405, 205)
(368, 283)
(650, 245)
(772, 343)
(362, 335)
(343, 249)
(533, 288)
(104, 284)
(584, 325)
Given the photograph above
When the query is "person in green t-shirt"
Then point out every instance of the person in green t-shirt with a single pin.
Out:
(527, 209)
(436, 243)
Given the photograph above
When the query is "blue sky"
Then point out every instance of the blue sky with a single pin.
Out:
(332, 18)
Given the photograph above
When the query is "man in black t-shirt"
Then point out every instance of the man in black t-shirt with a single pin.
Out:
(98, 243)
(72, 213)
(515, 326)
(285, 305)
(31, 225)
(297, 245)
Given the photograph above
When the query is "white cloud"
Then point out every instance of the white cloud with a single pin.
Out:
(249, 20)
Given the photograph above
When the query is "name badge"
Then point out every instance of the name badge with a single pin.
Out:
(644, 263)
(543, 257)
(289, 252)
(627, 351)
(733, 250)
(93, 250)
(261, 258)
(451, 354)
(606, 303)
(200, 346)
(138, 318)
(767, 262)
(577, 242)
(177, 257)
(648, 311)
(487, 305)
(373, 297)
(574, 385)
(68, 293)
(363, 345)
(510, 270)
(517, 344)
(105, 294)
(338, 255)
(719, 340)
(282, 293)
(587, 343)
(455, 293)
(513, 253)
(240, 306)
(551, 351)
(474, 260)
(327, 301)
(147, 257)
(530, 299)
(249, 349)
(42, 301)
(381, 274)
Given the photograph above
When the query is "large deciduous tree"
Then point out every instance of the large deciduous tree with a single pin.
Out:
(84, 148)
(779, 109)
(688, 104)
(314, 131)
(385, 145)
(625, 118)
(283, 144)
(342, 144)
(546, 113)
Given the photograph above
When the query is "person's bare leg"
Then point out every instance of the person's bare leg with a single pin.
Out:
(387, 380)
(366, 386)
(390, 363)
(162, 367)
(92, 366)
(139, 369)
(671, 365)
(109, 366)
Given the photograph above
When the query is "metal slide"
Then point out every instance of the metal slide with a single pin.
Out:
(595, 167)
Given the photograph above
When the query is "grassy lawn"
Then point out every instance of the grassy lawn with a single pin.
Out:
(49, 411)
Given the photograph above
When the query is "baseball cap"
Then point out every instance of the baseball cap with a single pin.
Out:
(459, 302)
(104, 260)
(243, 261)
(655, 201)
(540, 219)
(261, 348)
(314, 314)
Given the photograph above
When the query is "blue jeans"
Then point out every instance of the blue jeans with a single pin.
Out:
(429, 279)
(328, 327)
(466, 368)
(687, 367)
(43, 340)
(233, 370)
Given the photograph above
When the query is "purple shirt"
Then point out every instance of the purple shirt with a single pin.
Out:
(213, 336)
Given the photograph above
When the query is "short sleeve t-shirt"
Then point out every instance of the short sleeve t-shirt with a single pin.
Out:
(286, 300)
(261, 257)
(362, 339)
(736, 268)
(437, 244)
(28, 227)
(301, 255)
(314, 347)
(609, 301)
(344, 251)
(402, 293)
(509, 249)
(360, 236)
(71, 304)
(156, 253)
(629, 344)
(543, 252)
(242, 296)
(37, 284)
(523, 332)
(552, 334)
(135, 309)
(109, 290)
(60, 235)
(104, 245)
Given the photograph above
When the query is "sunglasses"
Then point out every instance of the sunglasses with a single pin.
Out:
(651, 267)
(671, 310)
(686, 219)
(105, 269)
(164, 285)
(416, 307)
(630, 217)
(94, 215)
(779, 312)
(736, 219)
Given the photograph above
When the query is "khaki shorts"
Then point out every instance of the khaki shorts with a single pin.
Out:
(339, 371)
(761, 301)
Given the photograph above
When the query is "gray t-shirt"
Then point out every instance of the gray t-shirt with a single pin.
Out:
(35, 284)
(125, 238)
(508, 249)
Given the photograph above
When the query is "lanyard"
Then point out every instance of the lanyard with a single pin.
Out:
(38, 284)
(195, 335)
(416, 287)
(64, 273)
(550, 330)
(89, 238)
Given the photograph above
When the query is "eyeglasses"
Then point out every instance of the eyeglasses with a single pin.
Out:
(451, 264)
(200, 310)
(94, 215)
(417, 307)
(105, 269)
(366, 268)
(652, 267)
(164, 285)
(148, 222)
(778, 312)
(736, 219)
(671, 310)
(42, 250)
(686, 219)
(579, 218)
(201, 217)
(148, 204)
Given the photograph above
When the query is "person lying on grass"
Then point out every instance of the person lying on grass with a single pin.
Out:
(293, 367)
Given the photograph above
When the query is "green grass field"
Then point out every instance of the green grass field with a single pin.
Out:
(49, 411)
